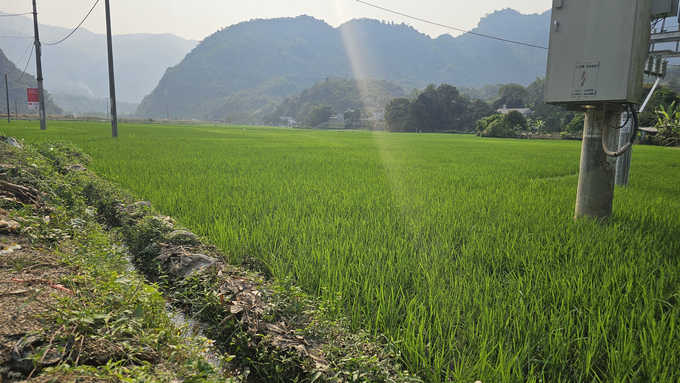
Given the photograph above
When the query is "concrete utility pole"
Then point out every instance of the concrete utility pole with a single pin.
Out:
(38, 63)
(595, 195)
(167, 107)
(107, 108)
(16, 114)
(112, 83)
(623, 162)
(7, 93)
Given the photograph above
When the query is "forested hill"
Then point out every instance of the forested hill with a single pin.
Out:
(341, 95)
(18, 83)
(251, 66)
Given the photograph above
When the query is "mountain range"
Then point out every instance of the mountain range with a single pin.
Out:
(17, 83)
(251, 66)
(79, 65)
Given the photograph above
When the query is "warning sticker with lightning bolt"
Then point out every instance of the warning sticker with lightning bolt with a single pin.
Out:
(585, 80)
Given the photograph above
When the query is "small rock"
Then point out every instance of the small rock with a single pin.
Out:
(142, 204)
(184, 265)
(183, 237)
(165, 222)
(22, 349)
(75, 168)
(13, 142)
(9, 226)
(10, 249)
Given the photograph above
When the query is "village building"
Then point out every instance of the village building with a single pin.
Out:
(289, 121)
(379, 113)
(526, 112)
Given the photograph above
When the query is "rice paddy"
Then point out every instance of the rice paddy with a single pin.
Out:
(463, 250)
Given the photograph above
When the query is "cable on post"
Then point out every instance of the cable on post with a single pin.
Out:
(627, 146)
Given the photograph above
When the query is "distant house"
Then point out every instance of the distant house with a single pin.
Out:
(526, 112)
(289, 121)
(379, 113)
(340, 117)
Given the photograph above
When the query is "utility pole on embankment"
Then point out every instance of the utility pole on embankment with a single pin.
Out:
(38, 64)
(112, 83)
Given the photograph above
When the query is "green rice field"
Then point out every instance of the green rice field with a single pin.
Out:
(462, 250)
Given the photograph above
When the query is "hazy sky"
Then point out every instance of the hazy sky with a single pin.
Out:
(196, 19)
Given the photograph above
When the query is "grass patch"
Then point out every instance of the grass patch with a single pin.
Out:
(461, 251)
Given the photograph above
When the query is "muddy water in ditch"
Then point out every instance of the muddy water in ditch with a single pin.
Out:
(191, 328)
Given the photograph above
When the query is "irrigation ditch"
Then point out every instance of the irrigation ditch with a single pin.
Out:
(73, 309)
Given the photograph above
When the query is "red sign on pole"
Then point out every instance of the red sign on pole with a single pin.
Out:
(33, 98)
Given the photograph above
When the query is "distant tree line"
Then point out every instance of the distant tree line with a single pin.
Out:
(334, 95)
(446, 109)
(436, 109)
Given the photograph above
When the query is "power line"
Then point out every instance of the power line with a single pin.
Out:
(449, 27)
(10, 22)
(25, 50)
(15, 40)
(27, 62)
(81, 23)
(15, 14)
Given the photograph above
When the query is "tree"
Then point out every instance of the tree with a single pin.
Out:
(272, 119)
(536, 92)
(553, 124)
(422, 113)
(494, 126)
(319, 114)
(349, 115)
(512, 95)
(396, 114)
(575, 126)
(477, 110)
(514, 120)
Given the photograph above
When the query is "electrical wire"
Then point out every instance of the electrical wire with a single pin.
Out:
(619, 115)
(10, 22)
(449, 27)
(631, 142)
(15, 40)
(27, 62)
(74, 31)
(16, 14)
(25, 50)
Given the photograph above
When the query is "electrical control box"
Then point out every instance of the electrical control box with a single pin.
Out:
(664, 8)
(597, 52)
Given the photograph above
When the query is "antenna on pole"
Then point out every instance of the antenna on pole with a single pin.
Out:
(112, 83)
(38, 63)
